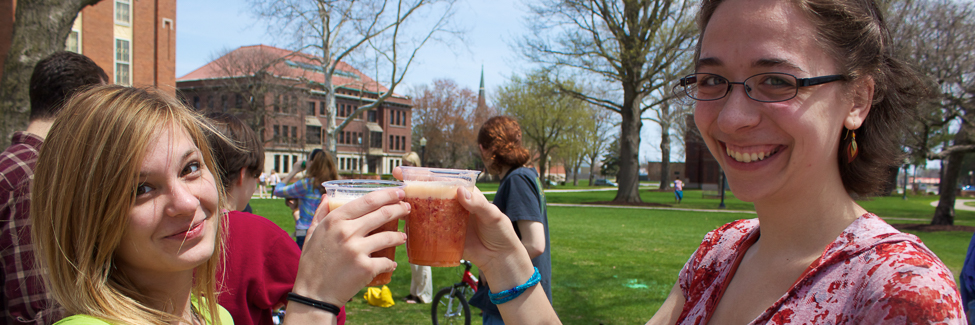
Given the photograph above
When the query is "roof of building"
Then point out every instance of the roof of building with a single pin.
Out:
(284, 63)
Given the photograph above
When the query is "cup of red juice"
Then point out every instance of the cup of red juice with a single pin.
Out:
(436, 227)
(340, 192)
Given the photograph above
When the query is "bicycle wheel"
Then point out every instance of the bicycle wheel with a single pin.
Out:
(450, 309)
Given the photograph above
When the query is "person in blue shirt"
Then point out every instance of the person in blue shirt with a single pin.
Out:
(307, 190)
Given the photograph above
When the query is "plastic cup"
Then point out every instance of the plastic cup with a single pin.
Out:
(341, 192)
(436, 227)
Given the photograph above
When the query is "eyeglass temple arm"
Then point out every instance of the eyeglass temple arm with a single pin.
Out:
(806, 82)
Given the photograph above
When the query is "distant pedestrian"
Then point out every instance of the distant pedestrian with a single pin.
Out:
(273, 180)
(262, 185)
(678, 190)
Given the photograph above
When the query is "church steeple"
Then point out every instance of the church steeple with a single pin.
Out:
(481, 101)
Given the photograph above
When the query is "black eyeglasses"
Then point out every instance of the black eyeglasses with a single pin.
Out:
(764, 87)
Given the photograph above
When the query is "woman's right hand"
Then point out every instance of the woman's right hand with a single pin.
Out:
(335, 262)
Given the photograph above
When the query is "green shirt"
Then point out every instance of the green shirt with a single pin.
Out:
(224, 317)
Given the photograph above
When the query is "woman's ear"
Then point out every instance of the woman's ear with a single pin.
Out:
(862, 98)
(240, 177)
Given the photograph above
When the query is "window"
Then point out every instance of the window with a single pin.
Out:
(223, 103)
(73, 43)
(341, 137)
(196, 102)
(376, 140)
(123, 12)
(391, 147)
(294, 134)
(313, 134)
(277, 133)
(209, 101)
(277, 163)
(284, 164)
(122, 62)
(311, 108)
(277, 103)
(238, 101)
(321, 108)
(372, 115)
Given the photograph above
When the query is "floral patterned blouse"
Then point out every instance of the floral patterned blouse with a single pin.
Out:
(871, 274)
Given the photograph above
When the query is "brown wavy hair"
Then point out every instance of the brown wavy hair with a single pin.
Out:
(84, 187)
(854, 33)
(322, 168)
(502, 135)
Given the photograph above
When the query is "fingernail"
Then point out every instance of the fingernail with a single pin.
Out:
(408, 207)
(404, 235)
(401, 194)
(467, 194)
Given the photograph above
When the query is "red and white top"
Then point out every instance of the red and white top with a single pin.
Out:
(871, 274)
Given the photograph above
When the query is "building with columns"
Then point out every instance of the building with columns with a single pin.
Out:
(279, 93)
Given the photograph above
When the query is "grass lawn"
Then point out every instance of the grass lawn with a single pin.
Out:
(615, 266)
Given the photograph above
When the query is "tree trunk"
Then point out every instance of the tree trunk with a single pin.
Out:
(592, 171)
(40, 29)
(628, 176)
(664, 157)
(944, 214)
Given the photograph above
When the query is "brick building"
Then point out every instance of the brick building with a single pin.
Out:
(700, 168)
(134, 41)
(279, 93)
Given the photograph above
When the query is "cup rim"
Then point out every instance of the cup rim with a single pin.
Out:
(352, 184)
(449, 171)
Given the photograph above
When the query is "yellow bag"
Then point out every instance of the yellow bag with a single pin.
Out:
(379, 297)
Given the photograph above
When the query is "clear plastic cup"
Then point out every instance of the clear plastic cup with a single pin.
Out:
(344, 191)
(436, 227)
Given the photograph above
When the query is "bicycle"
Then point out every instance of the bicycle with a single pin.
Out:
(453, 299)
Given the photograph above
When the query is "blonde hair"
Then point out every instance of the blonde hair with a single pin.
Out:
(412, 158)
(84, 187)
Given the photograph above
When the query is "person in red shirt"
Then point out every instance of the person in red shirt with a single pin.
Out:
(261, 259)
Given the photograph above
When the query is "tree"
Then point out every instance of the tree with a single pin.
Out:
(627, 45)
(386, 33)
(670, 111)
(597, 138)
(611, 160)
(546, 116)
(40, 28)
(939, 37)
(447, 116)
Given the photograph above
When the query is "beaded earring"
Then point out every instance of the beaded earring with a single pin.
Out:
(851, 147)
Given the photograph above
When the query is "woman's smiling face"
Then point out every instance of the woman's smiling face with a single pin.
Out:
(171, 225)
(771, 150)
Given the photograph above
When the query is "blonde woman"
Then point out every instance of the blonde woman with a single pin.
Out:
(126, 213)
(421, 284)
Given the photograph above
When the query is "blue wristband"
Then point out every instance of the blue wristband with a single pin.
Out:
(508, 295)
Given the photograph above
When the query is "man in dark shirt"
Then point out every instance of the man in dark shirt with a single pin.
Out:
(24, 298)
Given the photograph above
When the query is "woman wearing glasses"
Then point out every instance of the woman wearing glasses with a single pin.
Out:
(802, 104)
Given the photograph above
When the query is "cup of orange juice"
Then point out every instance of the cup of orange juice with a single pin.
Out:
(340, 192)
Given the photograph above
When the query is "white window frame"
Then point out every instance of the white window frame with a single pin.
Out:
(127, 22)
(75, 33)
(119, 63)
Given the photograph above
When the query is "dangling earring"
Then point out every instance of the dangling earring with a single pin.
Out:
(851, 147)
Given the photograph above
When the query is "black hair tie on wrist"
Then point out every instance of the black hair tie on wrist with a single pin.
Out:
(314, 303)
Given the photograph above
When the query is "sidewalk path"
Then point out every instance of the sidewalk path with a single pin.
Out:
(959, 204)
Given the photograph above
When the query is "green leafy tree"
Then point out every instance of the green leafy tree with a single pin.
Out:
(547, 116)
(611, 160)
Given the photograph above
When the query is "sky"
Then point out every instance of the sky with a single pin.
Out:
(207, 28)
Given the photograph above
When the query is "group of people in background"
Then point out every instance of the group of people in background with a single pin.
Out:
(126, 204)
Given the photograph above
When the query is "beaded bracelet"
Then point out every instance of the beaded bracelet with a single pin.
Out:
(508, 295)
(314, 303)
